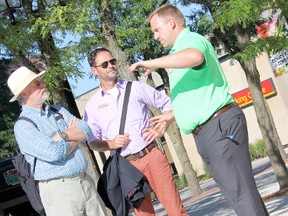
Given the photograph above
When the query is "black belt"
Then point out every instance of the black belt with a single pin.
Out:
(141, 153)
(219, 112)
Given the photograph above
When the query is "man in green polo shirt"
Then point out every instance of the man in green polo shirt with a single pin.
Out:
(203, 106)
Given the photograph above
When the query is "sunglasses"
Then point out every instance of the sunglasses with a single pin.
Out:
(37, 83)
(104, 65)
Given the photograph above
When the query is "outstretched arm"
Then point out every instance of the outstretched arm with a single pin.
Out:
(184, 59)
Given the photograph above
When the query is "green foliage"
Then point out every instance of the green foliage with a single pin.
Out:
(8, 144)
(207, 175)
(248, 14)
(90, 24)
(8, 114)
(33, 30)
(236, 12)
(256, 48)
(153, 196)
(133, 33)
(181, 181)
(221, 18)
(257, 149)
(199, 19)
(87, 20)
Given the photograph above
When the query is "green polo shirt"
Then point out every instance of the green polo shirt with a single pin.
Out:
(197, 93)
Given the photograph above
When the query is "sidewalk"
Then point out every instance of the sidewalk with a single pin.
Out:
(211, 202)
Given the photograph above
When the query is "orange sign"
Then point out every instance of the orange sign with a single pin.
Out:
(244, 98)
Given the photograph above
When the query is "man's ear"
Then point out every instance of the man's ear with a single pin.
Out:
(23, 94)
(94, 71)
(172, 23)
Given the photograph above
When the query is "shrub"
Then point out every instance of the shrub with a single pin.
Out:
(257, 149)
(207, 174)
(181, 181)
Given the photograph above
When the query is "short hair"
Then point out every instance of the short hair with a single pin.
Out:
(20, 100)
(93, 54)
(166, 11)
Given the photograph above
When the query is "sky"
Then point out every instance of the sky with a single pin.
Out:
(85, 84)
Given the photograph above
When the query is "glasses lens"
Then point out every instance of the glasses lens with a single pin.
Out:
(37, 83)
(113, 61)
(104, 64)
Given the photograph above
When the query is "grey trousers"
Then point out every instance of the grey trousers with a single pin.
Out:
(223, 145)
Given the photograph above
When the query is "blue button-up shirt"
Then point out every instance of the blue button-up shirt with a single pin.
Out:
(52, 156)
(103, 112)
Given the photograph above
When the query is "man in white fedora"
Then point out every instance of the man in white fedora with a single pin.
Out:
(60, 166)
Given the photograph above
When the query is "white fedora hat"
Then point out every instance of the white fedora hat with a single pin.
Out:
(20, 79)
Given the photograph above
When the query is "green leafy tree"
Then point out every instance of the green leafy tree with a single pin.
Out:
(8, 114)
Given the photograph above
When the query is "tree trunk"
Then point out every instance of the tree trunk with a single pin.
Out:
(108, 29)
(175, 136)
(121, 58)
(264, 117)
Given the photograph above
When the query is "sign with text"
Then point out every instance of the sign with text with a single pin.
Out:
(279, 62)
(244, 98)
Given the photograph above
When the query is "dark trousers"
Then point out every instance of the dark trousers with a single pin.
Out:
(223, 145)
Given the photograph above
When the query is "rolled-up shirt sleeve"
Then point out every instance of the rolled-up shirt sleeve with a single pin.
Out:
(95, 129)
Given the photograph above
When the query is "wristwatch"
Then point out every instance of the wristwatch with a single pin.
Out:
(63, 135)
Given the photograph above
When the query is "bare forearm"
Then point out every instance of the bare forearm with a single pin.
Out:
(100, 145)
(119, 141)
(75, 134)
(170, 118)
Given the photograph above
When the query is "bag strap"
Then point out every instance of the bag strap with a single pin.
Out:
(124, 110)
(56, 111)
(32, 122)
(28, 119)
